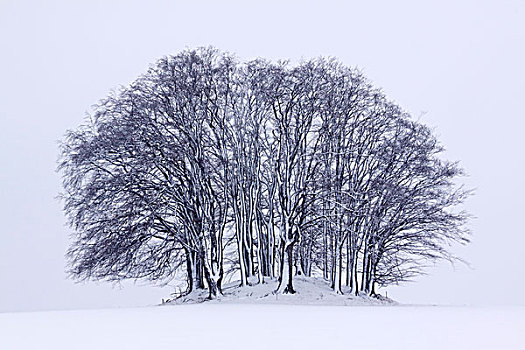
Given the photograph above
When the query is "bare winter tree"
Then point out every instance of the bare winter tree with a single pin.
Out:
(204, 167)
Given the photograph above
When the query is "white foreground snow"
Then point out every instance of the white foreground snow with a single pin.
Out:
(245, 326)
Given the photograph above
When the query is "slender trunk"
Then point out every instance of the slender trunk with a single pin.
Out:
(308, 267)
(285, 280)
(355, 279)
(200, 271)
(338, 264)
(367, 261)
(246, 235)
(348, 267)
(194, 266)
(277, 254)
(263, 243)
(325, 246)
(270, 246)
(189, 271)
(270, 230)
(248, 253)
(211, 280)
(299, 265)
(239, 228)
(219, 268)
(365, 269)
(258, 252)
(353, 270)
(372, 276)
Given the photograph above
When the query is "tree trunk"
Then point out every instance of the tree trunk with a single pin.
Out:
(348, 269)
(338, 264)
(365, 269)
(239, 230)
(211, 280)
(194, 267)
(356, 286)
(258, 252)
(189, 271)
(325, 246)
(285, 280)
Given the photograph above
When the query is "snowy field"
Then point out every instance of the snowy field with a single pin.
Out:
(245, 326)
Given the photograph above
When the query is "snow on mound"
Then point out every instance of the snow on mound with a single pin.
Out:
(309, 291)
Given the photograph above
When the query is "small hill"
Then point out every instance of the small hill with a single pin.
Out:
(309, 291)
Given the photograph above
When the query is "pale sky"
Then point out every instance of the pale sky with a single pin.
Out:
(456, 65)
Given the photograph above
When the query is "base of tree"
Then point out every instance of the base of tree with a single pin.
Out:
(288, 290)
(305, 290)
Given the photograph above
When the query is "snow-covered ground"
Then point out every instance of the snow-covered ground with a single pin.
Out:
(245, 326)
(309, 291)
(253, 317)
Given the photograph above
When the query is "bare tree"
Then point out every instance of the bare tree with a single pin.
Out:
(306, 169)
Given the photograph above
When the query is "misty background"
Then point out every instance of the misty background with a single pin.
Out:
(455, 65)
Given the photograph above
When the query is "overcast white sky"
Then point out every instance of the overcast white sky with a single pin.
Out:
(460, 63)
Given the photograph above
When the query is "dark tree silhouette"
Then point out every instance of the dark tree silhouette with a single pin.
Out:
(205, 166)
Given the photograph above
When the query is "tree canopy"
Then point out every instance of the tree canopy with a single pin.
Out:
(205, 168)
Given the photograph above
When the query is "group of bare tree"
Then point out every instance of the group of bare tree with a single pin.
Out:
(260, 171)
